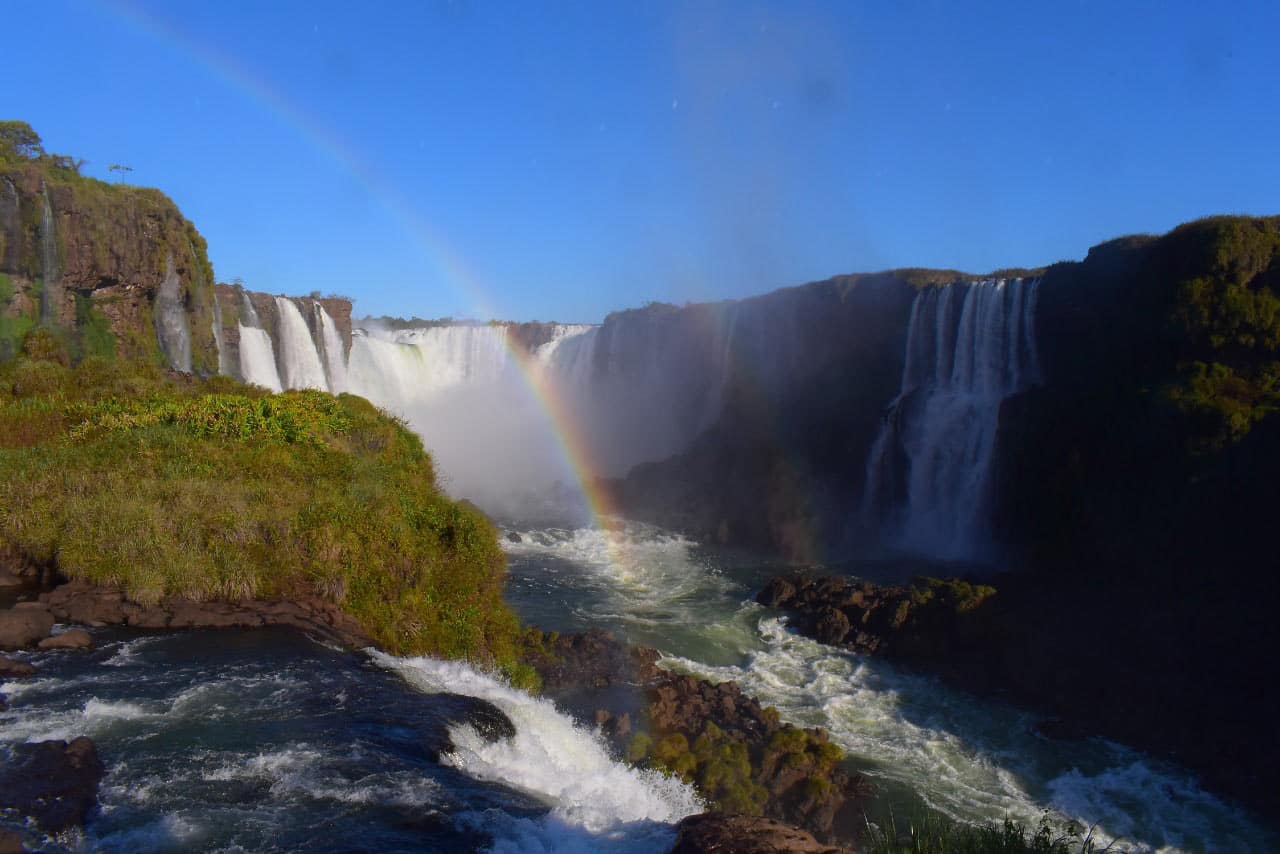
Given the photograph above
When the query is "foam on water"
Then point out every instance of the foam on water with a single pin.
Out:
(977, 761)
(558, 761)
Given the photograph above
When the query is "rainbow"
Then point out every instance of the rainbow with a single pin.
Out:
(450, 266)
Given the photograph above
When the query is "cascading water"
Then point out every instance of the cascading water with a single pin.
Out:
(257, 354)
(969, 346)
(49, 298)
(299, 358)
(171, 320)
(335, 356)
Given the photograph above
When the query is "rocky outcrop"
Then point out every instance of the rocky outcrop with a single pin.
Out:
(15, 669)
(23, 626)
(92, 257)
(739, 754)
(714, 833)
(54, 783)
(916, 623)
(80, 602)
(70, 639)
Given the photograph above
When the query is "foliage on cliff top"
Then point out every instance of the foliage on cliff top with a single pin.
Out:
(163, 484)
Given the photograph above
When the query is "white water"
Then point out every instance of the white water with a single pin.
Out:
(335, 356)
(258, 358)
(300, 365)
(969, 346)
(558, 761)
(971, 759)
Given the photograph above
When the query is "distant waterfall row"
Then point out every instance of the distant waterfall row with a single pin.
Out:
(969, 346)
(604, 398)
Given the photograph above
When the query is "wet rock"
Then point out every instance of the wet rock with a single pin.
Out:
(88, 604)
(594, 659)
(21, 627)
(513, 537)
(70, 639)
(742, 834)
(11, 842)
(615, 727)
(778, 592)
(832, 626)
(53, 782)
(15, 669)
(8, 579)
(488, 721)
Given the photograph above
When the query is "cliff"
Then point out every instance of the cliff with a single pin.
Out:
(116, 268)
(811, 370)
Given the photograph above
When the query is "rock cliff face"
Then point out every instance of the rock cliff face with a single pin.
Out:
(117, 268)
(811, 371)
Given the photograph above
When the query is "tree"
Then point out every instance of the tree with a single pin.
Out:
(18, 138)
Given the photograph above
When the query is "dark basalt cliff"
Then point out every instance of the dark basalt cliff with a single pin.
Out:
(117, 267)
(812, 368)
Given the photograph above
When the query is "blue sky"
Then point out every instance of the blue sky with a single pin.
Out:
(561, 160)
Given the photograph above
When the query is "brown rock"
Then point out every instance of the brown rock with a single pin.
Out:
(832, 626)
(70, 639)
(11, 842)
(53, 782)
(21, 627)
(9, 667)
(742, 834)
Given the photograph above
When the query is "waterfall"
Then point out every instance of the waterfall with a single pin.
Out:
(257, 354)
(49, 297)
(969, 346)
(171, 320)
(335, 357)
(299, 357)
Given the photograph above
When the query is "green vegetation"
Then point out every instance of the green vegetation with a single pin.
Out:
(719, 765)
(117, 474)
(1225, 319)
(120, 233)
(935, 834)
(959, 595)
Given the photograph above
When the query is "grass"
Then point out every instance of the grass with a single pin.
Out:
(121, 474)
(931, 833)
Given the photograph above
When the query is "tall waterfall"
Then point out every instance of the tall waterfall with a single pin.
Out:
(257, 354)
(335, 356)
(969, 346)
(299, 357)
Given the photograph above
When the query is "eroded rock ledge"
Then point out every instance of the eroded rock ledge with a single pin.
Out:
(80, 602)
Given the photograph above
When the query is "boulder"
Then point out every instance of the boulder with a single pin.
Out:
(21, 627)
(777, 592)
(70, 639)
(11, 668)
(11, 842)
(53, 782)
(743, 834)
(832, 626)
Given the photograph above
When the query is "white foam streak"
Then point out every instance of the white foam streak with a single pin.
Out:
(258, 358)
(550, 756)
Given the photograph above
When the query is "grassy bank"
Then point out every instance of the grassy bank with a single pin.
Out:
(122, 474)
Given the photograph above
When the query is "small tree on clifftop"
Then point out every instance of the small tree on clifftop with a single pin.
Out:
(18, 138)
